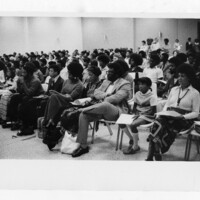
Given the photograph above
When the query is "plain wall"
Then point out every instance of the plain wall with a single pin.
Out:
(54, 33)
(23, 34)
(107, 33)
(12, 34)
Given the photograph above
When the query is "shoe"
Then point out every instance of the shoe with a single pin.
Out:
(5, 125)
(131, 151)
(149, 159)
(51, 146)
(80, 151)
(25, 132)
(15, 127)
(158, 157)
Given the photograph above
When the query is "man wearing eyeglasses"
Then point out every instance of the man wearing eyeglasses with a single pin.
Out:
(113, 95)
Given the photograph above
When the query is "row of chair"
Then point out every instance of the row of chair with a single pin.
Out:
(192, 136)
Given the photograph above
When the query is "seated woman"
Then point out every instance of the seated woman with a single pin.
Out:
(3, 70)
(38, 72)
(172, 81)
(183, 99)
(10, 87)
(72, 89)
(144, 108)
(22, 104)
(92, 82)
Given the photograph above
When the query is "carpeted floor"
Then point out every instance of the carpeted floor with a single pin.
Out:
(30, 147)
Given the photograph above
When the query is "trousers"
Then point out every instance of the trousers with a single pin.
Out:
(96, 112)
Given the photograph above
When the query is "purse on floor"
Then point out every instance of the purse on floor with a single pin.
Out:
(69, 144)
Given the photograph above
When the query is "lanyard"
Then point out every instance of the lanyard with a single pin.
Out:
(180, 98)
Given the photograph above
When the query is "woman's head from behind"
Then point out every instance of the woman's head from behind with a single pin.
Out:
(75, 71)
(154, 60)
(135, 60)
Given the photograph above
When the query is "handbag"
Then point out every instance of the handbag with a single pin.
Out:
(69, 144)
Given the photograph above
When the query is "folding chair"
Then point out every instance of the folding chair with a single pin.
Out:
(192, 136)
(145, 126)
(108, 123)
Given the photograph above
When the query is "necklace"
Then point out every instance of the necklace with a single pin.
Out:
(180, 98)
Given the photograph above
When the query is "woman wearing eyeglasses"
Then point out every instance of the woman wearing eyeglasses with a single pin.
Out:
(183, 99)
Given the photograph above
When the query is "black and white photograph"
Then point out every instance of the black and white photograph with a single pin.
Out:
(100, 95)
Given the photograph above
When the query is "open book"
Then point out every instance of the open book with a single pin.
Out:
(168, 113)
(126, 119)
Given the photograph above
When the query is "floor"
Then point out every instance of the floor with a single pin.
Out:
(31, 147)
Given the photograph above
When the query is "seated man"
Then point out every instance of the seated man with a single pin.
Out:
(112, 94)
(55, 83)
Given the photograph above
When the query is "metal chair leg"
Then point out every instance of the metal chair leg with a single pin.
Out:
(121, 141)
(189, 148)
(197, 144)
(109, 129)
(93, 131)
(186, 148)
(118, 135)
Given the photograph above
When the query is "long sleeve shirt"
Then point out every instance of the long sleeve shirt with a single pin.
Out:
(190, 101)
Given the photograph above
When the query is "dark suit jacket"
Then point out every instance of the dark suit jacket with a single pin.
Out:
(57, 86)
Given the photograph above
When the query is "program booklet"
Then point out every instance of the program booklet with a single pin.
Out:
(168, 113)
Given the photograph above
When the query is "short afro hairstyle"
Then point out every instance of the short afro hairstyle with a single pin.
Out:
(182, 57)
(95, 70)
(155, 58)
(118, 69)
(136, 58)
(55, 67)
(75, 69)
(188, 70)
(123, 64)
(103, 58)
